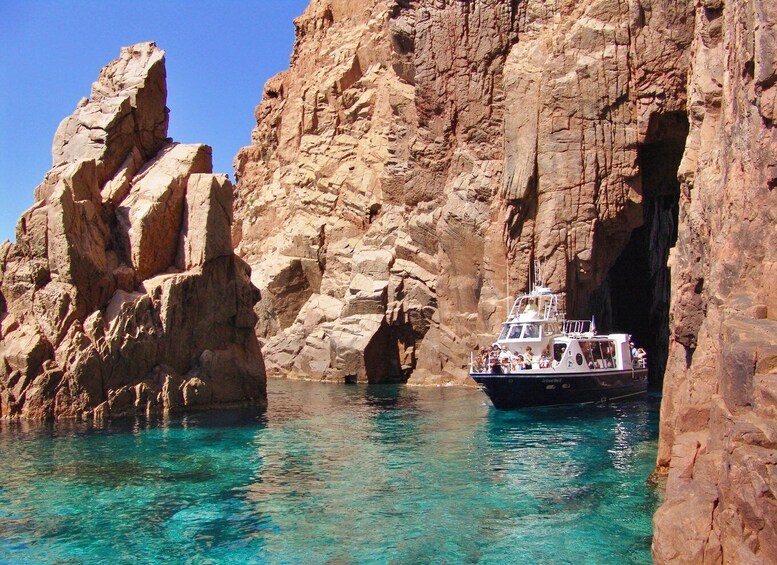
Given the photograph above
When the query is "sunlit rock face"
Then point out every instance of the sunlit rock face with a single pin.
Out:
(719, 411)
(122, 294)
(417, 156)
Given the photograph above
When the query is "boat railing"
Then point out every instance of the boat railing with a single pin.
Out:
(551, 308)
(578, 326)
(495, 362)
(526, 307)
(639, 362)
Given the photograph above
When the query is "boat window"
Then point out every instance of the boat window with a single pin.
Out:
(503, 335)
(598, 354)
(548, 329)
(558, 350)
(587, 348)
(530, 331)
(515, 332)
(608, 354)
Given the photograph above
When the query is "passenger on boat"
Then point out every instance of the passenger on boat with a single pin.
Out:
(528, 358)
(637, 354)
(545, 358)
(506, 358)
(482, 359)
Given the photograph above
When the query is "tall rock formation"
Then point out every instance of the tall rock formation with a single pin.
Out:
(719, 411)
(122, 294)
(418, 155)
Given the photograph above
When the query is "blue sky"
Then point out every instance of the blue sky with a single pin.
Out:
(219, 54)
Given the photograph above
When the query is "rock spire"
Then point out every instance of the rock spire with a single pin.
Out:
(122, 294)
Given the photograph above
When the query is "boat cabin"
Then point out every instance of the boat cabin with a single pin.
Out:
(528, 331)
(553, 347)
(593, 352)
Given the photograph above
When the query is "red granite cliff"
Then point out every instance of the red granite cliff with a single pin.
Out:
(121, 294)
(417, 156)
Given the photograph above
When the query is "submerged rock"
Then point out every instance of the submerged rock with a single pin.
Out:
(122, 294)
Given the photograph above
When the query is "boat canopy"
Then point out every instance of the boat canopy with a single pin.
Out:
(528, 330)
(540, 304)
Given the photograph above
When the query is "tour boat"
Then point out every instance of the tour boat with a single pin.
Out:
(542, 359)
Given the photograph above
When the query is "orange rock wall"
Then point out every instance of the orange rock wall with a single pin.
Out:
(417, 156)
(122, 294)
(719, 412)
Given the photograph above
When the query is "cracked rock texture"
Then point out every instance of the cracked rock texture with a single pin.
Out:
(719, 412)
(122, 294)
(418, 154)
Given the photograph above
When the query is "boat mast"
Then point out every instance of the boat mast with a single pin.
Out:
(508, 306)
(537, 275)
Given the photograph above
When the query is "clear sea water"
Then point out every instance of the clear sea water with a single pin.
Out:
(336, 474)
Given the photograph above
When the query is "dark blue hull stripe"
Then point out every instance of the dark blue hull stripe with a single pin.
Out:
(518, 390)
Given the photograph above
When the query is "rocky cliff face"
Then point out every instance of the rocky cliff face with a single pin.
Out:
(719, 413)
(417, 156)
(122, 294)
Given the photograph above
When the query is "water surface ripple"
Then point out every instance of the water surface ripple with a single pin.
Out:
(336, 474)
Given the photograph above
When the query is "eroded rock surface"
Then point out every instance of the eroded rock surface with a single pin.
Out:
(122, 294)
(719, 413)
(418, 155)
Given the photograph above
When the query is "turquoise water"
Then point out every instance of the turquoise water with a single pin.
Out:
(336, 474)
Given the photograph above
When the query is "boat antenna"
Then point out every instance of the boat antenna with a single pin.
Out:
(538, 274)
(507, 286)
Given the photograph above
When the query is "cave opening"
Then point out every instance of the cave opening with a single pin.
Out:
(638, 284)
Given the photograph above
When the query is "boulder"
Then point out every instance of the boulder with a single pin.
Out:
(207, 209)
(150, 217)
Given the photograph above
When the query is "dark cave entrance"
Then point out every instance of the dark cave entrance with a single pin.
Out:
(636, 290)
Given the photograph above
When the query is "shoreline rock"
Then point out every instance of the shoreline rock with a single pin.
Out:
(718, 442)
(122, 294)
